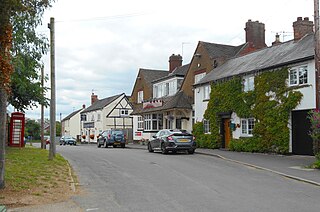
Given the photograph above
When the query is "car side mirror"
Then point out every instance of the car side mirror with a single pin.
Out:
(154, 136)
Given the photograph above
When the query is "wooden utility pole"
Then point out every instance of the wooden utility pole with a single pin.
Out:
(43, 145)
(317, 51)
(52, 148)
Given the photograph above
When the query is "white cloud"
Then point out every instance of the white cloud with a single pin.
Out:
(101, 44)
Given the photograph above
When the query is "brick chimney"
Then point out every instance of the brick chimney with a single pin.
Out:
(94, 98)
(174, 62)
(255, 34)
(302, 27)
(277, 41)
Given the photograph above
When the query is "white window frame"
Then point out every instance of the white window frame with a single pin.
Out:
(206, 92)
(198, 77)
(99, 117)
(298, 76)
(92, 117)
(206, 126)
(140, 123)
(140, 97)
(247, 126)
(124, 112)
(248, 83)
(150, 120)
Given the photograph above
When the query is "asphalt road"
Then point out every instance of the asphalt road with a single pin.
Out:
(116, 179)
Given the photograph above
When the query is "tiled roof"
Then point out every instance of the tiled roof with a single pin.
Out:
(100, 104)
(220, 50)
(179, 100)
(71, 114)
(151, 75)
(264, 59)
(179, 71)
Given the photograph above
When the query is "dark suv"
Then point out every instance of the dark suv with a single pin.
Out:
(111, 138)
(172, 140)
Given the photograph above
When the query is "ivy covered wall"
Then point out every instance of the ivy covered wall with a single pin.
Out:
(270, 104)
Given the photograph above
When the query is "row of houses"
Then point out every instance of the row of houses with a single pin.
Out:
(178, 97)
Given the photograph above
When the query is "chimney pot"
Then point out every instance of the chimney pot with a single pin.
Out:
(302, 27)
(174, 62)
(83, 106)
(94, 98)
(255, 34)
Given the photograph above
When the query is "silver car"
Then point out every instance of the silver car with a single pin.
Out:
(172, 140)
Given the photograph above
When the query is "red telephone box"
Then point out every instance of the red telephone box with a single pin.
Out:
(17, 129)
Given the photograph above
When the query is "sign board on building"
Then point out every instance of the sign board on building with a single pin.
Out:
(88, 125)
(152, 104)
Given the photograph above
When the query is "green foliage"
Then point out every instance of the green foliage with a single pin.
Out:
(314, 117)
(317, 163)
(32, 128)
(270, 104)
(58, 128)
(203, 140)
(250, 144)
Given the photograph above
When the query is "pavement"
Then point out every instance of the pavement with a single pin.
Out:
(290, 166)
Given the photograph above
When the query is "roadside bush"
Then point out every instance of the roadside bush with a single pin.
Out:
(247, 145)
(203, 140)
(317, 163)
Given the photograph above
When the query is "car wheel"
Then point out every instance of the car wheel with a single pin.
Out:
(98, 144)
(150, 148)
(123, 145)
(114, 146)
(75, 144)
(191, 151)
(163, 149)
(105, 144)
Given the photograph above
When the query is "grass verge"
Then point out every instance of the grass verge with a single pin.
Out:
(31, 178)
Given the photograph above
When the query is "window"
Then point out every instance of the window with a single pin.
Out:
(140, 123)
(124, 112)
(140, 97)
(247, 126)
(198, 77)
(298, 76)
(166, 91)
(206, 93)
(99, 117)
(206, 126)
(178, 124)
(92, 117)
(153, 122)
(83, 117)
(248, 83)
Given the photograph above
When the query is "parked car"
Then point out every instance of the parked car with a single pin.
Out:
(172, 140)
(111, 138)
(68, 140)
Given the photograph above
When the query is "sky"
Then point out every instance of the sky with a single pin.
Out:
(100, 45)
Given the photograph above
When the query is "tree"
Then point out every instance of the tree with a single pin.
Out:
(58, 127)
(32, 128)
(18, 22)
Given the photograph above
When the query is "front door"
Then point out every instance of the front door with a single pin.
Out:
(301, 140)
(227, 133)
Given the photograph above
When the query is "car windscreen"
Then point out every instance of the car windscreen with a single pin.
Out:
(117, 132)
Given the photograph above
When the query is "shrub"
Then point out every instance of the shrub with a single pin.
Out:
(314, 117)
